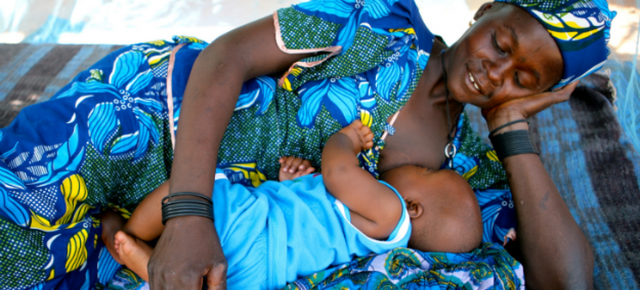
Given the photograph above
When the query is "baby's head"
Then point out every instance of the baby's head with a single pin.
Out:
(444, 211)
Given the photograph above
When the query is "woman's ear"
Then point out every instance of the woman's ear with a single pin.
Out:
(482, 10)
(414, 208)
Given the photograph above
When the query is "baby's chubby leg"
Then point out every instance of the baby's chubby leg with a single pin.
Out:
(146, 221)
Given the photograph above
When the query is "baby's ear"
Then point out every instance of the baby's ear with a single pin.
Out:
(414, 208)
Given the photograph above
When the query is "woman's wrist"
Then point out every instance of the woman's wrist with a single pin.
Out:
(512, 143)
(509, 134)
(497, 123)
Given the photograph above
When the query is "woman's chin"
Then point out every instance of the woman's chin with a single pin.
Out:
(481, 102)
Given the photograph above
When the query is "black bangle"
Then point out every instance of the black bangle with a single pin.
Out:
(512, 143)
(187, 194)
(505, 125)
(186, 207)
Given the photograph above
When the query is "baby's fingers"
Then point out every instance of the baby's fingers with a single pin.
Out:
(304, 165)
(294, 164)
(367, 140)
(286, 163)
(305, 171)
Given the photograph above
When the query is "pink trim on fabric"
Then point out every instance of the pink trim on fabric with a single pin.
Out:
(333, 50)
(393, 120)
(172, 59)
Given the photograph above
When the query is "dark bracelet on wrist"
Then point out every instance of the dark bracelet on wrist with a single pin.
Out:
(492, 133)
(512, 143)
(186, 207)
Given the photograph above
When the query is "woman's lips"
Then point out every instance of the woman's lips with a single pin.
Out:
(475, 87)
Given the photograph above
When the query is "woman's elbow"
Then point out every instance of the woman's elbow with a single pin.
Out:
(580, 274)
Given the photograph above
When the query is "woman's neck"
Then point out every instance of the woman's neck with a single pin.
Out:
(431, 90)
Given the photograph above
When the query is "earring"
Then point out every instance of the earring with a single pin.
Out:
(471, 22)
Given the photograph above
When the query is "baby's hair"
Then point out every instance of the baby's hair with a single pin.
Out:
(453, 222)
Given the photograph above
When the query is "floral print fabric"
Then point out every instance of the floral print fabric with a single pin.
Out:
(104, 140)
(579, 27)
(488, 267)
(101, 142)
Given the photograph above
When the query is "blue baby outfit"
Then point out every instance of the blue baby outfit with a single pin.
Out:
(280, 231)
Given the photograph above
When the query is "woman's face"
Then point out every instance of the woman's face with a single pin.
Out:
(507, 54)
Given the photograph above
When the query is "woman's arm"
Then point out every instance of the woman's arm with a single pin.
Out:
(375, 209)
(189, 247)
(554, 251)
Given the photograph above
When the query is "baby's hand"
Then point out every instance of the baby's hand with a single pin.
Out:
(360, 135)
(294, 167)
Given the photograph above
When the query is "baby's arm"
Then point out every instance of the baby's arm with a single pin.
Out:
(375, 208)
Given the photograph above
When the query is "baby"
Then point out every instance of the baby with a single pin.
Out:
(279, 231)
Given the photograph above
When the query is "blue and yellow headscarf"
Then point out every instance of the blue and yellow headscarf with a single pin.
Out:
(579, 27)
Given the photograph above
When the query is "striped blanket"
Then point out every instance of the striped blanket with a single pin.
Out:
(581, 143)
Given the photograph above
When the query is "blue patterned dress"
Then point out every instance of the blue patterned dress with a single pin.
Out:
(104, 141)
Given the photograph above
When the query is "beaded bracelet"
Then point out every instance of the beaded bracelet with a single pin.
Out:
(186, 207)
(512, 143)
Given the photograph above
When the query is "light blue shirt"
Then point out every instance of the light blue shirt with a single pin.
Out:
(280, 231)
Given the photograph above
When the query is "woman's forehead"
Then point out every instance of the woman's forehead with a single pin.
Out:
(580, 29)
(531, 42)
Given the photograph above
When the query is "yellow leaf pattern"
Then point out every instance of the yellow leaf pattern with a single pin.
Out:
(76, 251)
(493, 156)
(249, 171)
(366, 118)
(52, 275)
(74, 190)
(41, 223)
(470, 173)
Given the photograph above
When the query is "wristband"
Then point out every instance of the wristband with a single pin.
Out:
(505, 125)
(186, 207)
(512, 143)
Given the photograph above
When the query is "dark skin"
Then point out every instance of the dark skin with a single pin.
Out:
(512, 80)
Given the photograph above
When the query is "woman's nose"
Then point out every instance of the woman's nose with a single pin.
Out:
(497, 70)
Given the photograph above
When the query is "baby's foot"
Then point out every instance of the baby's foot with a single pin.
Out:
(134, 252)
(112, 222)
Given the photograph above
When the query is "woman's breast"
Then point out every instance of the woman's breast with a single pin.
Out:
(417, 141)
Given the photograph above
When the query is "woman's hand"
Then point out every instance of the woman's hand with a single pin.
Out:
(293, 167)
(553, 250)
(189, 247)
(179, 263)
(526, 107)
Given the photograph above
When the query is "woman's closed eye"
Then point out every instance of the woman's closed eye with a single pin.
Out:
(494, 39)
(516, 79)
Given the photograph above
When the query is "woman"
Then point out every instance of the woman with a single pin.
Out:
(379, 51)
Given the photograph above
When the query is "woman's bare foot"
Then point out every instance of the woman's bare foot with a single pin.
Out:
(112, 222)
(134, 252)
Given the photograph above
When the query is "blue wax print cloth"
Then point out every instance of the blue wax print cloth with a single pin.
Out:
(104, 140)
(100, 142)
(581, 28)
(280, 231)
(488, 267)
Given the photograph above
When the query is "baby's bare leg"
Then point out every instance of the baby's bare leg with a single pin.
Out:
(145, 222)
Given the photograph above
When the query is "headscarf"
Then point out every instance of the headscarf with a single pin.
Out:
(579, 27)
